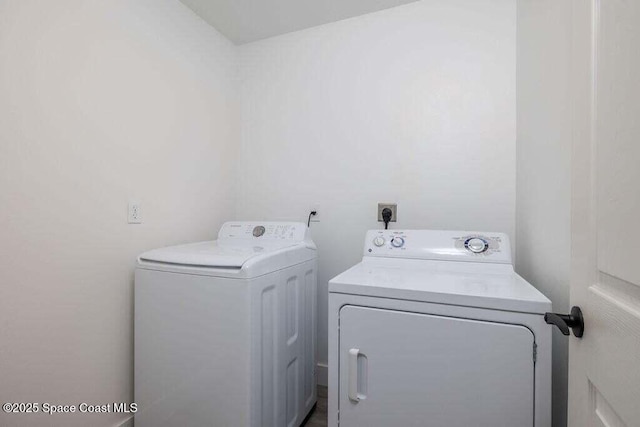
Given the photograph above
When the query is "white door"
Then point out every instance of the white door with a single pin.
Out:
(604, 365)
(411, 369)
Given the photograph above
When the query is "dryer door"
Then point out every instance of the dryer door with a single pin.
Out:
(409, 369)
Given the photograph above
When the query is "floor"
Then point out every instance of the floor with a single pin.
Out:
(319, 415)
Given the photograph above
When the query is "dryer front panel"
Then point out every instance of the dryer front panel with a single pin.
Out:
(412, 369)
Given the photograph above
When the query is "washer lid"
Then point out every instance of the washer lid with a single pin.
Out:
(238, 242)
(244, 249)
(491, 286)
(214, 254)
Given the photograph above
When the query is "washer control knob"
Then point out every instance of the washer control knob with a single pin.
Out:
(378, 241)
(397, 242)
(258, 231)
(476, 245)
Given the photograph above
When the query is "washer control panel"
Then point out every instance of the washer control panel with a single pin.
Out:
(439, 245)
(278, 231)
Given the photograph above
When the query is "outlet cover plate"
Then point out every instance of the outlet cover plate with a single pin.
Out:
(394, 211)
(134, 215)
(315, 207)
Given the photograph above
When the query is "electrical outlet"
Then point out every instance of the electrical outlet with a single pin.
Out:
(135, 213)
(394, 211)
(315, 208)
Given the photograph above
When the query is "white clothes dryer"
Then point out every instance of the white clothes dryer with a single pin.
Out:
(434, 328)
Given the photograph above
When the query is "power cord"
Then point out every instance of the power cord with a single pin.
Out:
(386, 217)
(312, 213)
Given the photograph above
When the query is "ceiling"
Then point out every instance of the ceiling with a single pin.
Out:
(244, 21)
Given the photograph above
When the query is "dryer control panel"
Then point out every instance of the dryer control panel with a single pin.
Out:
(439, 245)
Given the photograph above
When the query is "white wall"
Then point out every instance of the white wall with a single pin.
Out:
(544, 165)
(100, 102)
(414, 105)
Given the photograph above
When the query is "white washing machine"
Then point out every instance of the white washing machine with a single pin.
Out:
(225, 330)
(434, 328)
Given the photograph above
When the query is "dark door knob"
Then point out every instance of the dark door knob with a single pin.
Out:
(566, 321)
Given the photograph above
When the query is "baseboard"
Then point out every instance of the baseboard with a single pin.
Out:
(323, 374)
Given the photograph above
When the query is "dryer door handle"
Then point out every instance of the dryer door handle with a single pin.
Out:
(353, 375)
(357, 375)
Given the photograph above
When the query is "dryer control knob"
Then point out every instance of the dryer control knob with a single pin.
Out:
(378, 241)
(476, 245)
(397, 242)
